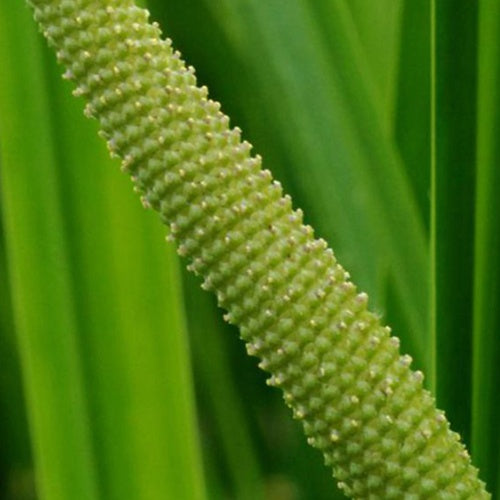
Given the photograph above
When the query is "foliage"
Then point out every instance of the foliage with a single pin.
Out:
(338, 97)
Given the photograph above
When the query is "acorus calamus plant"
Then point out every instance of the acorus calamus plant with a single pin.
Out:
(340, 369)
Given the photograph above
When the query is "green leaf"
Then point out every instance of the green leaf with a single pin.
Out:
(412, 110)
(486, 345)
(379, 28)
(453, 184)
(37, 256)
(15, 452)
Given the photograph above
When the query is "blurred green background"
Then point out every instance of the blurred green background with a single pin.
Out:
(118, 378)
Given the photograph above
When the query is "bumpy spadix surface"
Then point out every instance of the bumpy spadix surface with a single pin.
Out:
(340, 370)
